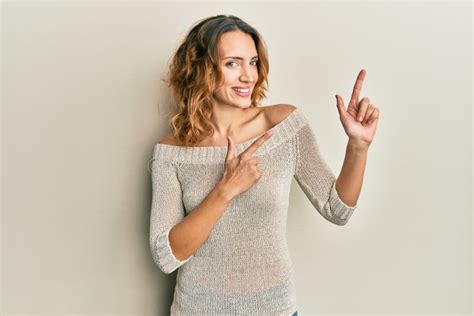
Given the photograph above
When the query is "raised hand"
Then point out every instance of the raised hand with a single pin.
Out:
(361, 118)
(241, 172)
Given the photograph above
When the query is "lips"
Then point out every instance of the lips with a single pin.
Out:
(242, 93)
(243, 90)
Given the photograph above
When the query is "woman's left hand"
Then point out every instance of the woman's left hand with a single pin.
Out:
(361, 118)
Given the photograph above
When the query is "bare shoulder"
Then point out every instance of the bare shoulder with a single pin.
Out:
(168, 140)
(278, 112)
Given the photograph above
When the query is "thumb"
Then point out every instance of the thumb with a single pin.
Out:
(230, 149)
(337, 105)
(340, 106)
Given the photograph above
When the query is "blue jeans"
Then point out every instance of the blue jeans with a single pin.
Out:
(295, 313)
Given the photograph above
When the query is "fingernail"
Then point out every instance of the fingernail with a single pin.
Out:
(270, 133)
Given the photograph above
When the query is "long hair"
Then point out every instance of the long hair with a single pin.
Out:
(194, 74)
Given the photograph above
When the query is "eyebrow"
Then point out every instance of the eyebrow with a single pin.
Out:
(236, 57)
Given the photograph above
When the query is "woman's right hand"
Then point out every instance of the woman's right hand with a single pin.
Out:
(241, 172)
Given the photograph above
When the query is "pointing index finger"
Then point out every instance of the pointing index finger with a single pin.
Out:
(256, 144)
(357, 87)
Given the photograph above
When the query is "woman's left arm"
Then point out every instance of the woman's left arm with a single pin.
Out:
(349, 181)
(360, 123)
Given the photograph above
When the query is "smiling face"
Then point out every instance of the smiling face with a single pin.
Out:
(238, 61)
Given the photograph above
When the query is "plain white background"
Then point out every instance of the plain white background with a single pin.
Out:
(83, 105)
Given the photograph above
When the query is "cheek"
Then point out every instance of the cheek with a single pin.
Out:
(231, 75)
(230, 79)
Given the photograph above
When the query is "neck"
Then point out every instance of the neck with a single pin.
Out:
(228, 120)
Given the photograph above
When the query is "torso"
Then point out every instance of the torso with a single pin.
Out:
(259, 120)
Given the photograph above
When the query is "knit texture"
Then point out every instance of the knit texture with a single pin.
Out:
(244, 267)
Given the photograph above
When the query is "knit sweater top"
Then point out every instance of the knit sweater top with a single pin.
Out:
(244, 266)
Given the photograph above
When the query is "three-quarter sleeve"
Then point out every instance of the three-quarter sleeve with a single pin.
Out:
(317, 180)
(166, 211)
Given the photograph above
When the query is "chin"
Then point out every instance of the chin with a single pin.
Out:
(244, 105)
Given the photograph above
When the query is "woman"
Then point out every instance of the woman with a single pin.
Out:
(221, 179)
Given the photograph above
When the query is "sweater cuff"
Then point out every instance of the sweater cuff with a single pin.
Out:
(341, 211)
(166, 259)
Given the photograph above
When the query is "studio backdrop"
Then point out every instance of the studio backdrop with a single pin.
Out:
(84, 103)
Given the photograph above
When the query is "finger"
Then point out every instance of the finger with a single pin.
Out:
(374, 121)
(255, 145)
(368, 114)
(254, 160)
(230, 149)
(357, 87)
(342, 108)
(340, 105)
(363, 105)
(375, 116)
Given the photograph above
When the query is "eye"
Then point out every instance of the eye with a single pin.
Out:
(229, 63)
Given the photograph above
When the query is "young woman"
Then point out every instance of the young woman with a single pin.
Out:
(221, 179)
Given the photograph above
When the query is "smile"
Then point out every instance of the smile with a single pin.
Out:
(242, 92)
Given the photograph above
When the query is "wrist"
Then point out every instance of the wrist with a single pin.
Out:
(222, 191)
(357, 145)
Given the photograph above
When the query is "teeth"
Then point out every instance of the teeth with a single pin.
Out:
(242, 90)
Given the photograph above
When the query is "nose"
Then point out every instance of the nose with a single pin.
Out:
(247, 74)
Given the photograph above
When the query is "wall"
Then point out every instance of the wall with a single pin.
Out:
(83, 106)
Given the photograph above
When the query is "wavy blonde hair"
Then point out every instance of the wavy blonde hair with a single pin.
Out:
(194, 75)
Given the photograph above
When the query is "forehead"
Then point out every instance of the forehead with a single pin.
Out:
(236, 43)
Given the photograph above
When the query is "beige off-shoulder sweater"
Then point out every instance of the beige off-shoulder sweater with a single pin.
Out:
(244, 266)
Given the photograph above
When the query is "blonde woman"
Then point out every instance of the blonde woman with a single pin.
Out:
(221, 179)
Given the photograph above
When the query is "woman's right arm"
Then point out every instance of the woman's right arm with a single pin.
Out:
(187, 236)
(174, 238)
